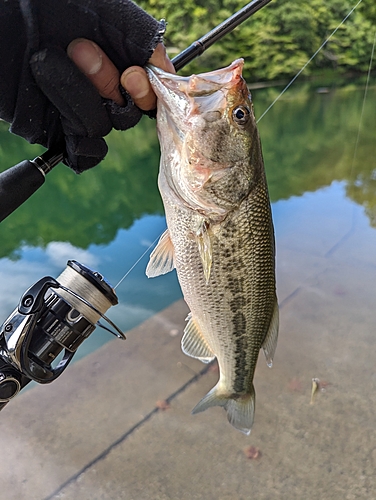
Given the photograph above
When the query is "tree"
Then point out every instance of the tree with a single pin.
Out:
(277, 41)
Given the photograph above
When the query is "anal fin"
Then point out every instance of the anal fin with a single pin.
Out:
(270, 343)
(194, 344)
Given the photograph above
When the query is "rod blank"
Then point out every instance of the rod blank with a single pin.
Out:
(203, 43)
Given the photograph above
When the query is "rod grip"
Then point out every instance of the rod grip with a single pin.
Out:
(17, 184)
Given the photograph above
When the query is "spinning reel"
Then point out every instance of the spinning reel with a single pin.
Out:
(53, 317)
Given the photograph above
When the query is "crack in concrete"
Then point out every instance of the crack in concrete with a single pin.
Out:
(123, 437)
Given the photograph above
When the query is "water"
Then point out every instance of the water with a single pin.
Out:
(108, 217)
(105, 219)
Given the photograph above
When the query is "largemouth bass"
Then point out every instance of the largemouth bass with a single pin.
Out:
(220, 235)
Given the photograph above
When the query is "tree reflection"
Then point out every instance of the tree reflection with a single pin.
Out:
(308, 138)
(89, 208)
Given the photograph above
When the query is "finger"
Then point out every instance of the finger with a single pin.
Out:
(98, 68)
(136, 82)
(161, 59)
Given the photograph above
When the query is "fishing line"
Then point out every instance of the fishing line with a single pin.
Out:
(264, 113)
(354, 213)
(137, 261)
(363, 105)
(306, 64)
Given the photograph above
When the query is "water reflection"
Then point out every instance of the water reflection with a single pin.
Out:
(309, 138)
(89, 208)
(308, 142)
(105, 219)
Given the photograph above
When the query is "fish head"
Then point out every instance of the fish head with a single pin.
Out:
(208, 136)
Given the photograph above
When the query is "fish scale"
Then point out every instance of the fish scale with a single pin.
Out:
(220, 234)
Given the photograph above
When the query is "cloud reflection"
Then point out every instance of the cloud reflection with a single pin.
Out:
(58, 253)
(17, 276)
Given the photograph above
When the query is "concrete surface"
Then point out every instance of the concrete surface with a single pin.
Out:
(99, 431)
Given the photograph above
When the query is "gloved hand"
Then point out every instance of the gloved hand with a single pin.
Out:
(51, 101)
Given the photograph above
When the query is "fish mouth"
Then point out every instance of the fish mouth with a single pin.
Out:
(167, 88)
(183, 94)
(186, 106)
(220, 76)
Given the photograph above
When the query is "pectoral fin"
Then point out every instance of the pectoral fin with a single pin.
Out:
(205, 248)
(162, 257)
(270, 343)
(194, 344)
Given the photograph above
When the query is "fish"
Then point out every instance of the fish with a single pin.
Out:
(220, 235)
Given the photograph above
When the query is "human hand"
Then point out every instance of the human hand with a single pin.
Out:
(49, 101)
(104, 75)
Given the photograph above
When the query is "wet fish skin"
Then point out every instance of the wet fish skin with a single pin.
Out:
(220, 233)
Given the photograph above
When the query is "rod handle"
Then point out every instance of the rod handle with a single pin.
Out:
(17, 184)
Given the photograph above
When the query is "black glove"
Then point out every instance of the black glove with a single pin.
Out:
(44, 95)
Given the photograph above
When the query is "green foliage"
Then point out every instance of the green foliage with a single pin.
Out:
(277, 41)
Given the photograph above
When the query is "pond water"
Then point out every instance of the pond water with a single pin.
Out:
(320, 156)
(108, 217)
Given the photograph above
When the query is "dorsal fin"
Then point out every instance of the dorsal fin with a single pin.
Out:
(162, 257)
(194, 344)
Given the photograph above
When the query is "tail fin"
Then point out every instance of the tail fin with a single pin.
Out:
(240, 409)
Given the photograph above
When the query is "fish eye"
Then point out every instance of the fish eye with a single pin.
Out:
(241, 115)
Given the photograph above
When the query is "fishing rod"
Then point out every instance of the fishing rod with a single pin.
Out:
(19, 182)
(203, 43)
